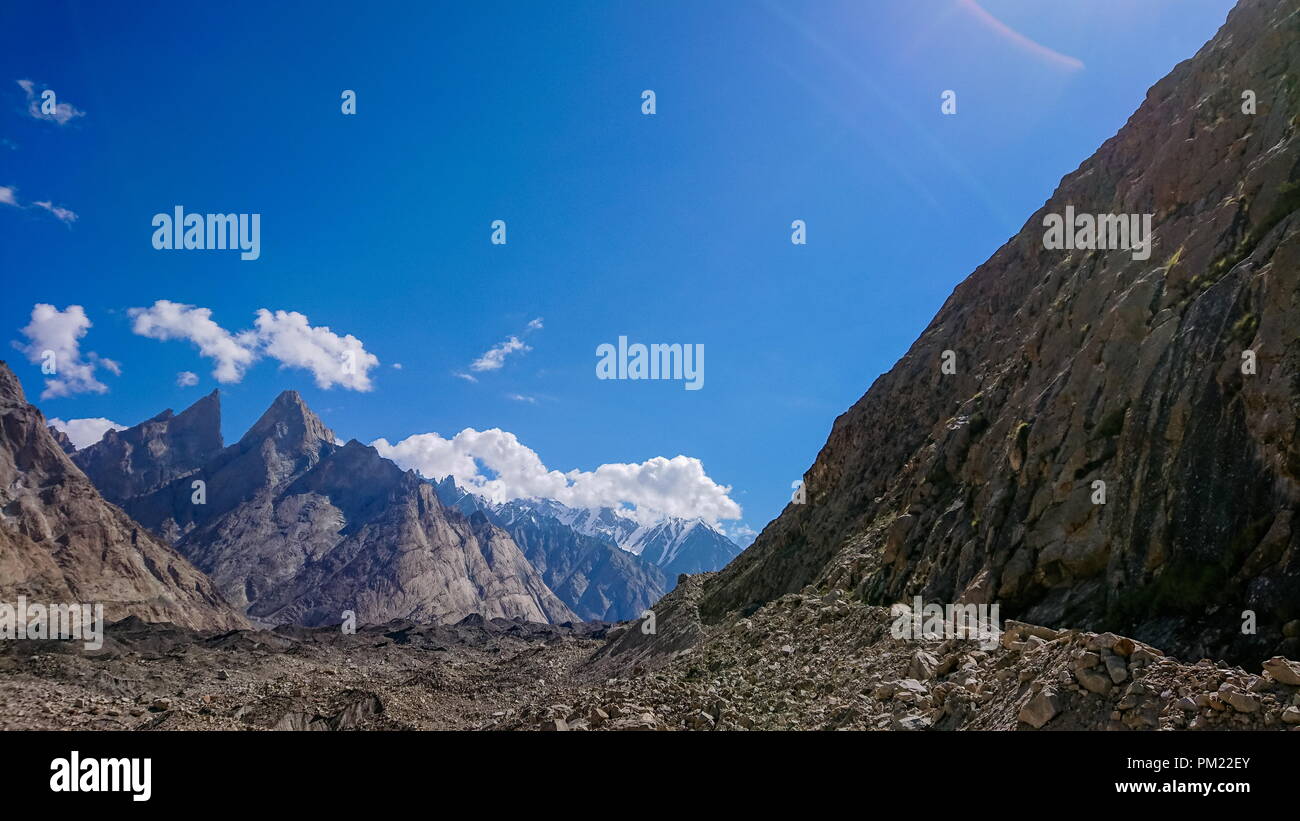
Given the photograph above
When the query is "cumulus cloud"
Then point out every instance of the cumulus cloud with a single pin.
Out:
(495, 464)
(54, 341)
(285, 336)
(85, 432)
(7, 196)
(62, 114)
(172, 320)
(187, 379)
(332, 359)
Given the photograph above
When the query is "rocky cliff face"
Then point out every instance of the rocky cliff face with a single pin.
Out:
(128, 463)
(62, 440)
(298, 529)
(61, 542)
(1078, 367)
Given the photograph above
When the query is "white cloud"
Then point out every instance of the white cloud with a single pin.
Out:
(332, 359)
(62, 214)
(467, 377)
(186, 379)
(63, 112)
(9, 196)
(495, 464)
(86, 432)
(285, 336)
(60, 332)
(172, 320)
(397, 366)
(495, 356)
(517, 397)
(740, 533)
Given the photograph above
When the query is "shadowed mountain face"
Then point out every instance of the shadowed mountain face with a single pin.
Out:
(125, 464)
(61, 542)
(682, 546)
(594, 577)
(298, 529)
(62, 440)
(1078, 367)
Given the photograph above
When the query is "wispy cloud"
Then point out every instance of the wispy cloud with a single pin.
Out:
(9, 196)
(495, 357)
(187, 379)
(42, 106)
(518, 397)
(62, 214)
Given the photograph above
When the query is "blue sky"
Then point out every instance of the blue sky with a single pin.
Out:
(670, 228)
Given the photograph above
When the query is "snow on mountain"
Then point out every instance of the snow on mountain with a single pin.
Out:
(675, 545)
(682, 546)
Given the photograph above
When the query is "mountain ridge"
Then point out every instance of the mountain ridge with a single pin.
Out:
(62, 542)
(1087, 366)
(293, 527)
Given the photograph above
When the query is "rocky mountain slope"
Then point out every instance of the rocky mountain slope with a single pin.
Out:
(597, 580)
(62, 543)
(829, 662)
(1078, 367)
(128, 463)
(296, 528)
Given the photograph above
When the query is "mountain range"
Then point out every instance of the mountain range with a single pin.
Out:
(672, 545)
(62, 542)
(291, 525)
(1115, 446)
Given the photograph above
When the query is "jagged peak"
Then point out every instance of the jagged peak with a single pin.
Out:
(205, 415)
(11, 389)
(209, 403)
(289, 417)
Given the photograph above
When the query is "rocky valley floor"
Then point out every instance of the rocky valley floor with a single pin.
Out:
(806, 661)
